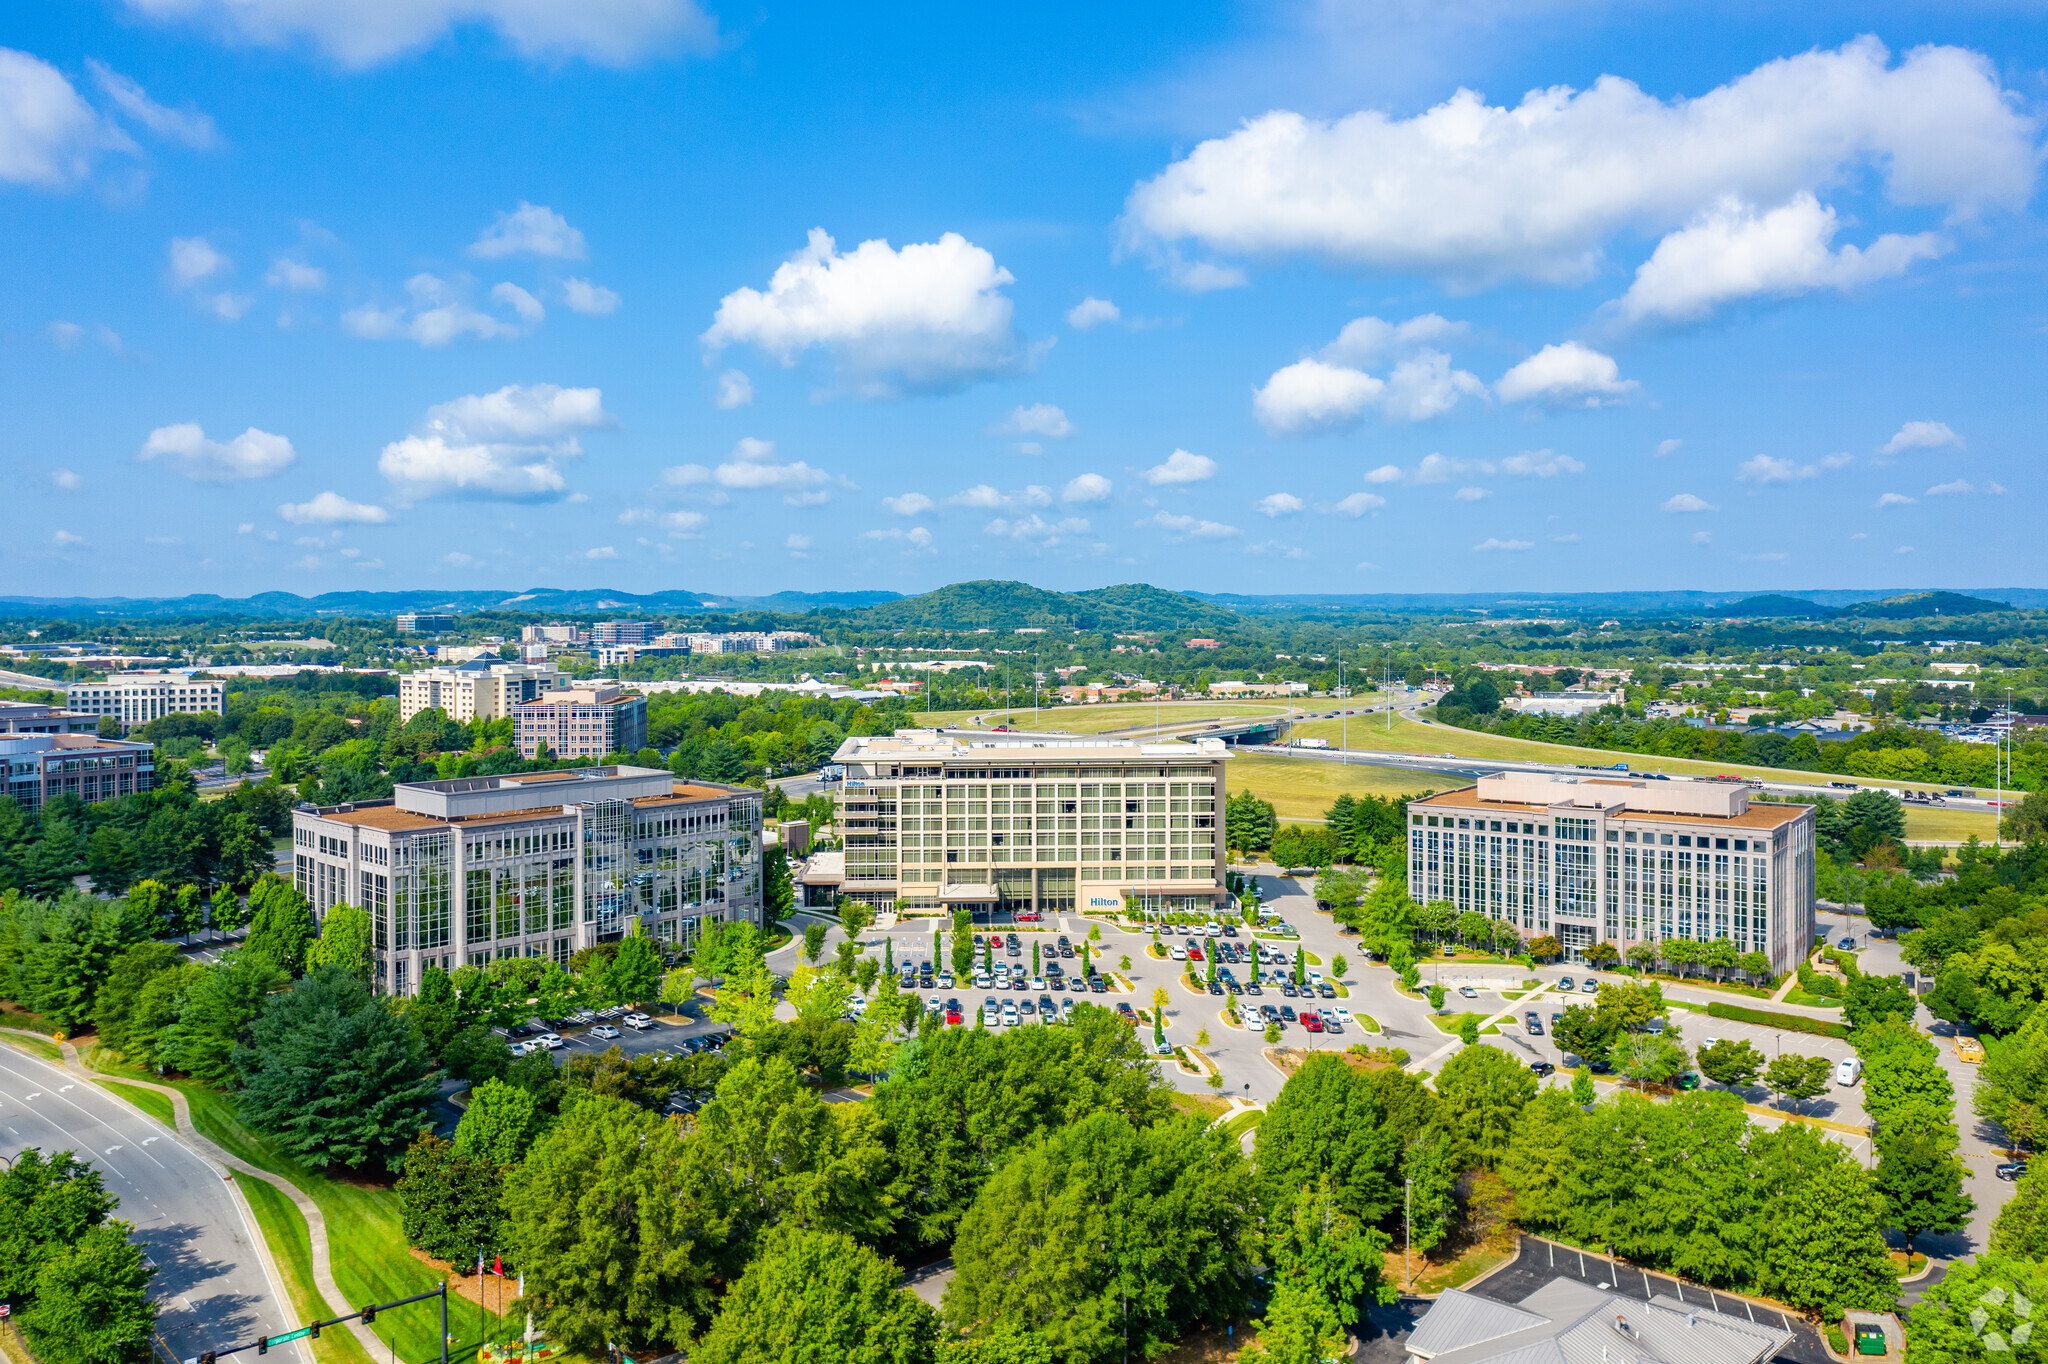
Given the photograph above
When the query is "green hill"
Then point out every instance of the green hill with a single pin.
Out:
(995, 605)
(1777, 604)
(1916, 605)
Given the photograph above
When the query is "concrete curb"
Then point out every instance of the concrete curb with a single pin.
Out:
(231, 1165)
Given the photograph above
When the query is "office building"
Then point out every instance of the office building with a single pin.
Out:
(137, 698)
(1620, 860)
(581, 722)
(1025, 823)
(750, 641)
(539, 864)
(622, 632)
(422, 623)
(483, 688)
(30, 717)
(610, 656)
(37, 768)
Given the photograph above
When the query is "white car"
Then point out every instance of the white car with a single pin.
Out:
(1038, 984)
(548, 1040)
(517, 1048)
(1341, 1015)
(1178, 953)
(606, 1031)
(638, 1022)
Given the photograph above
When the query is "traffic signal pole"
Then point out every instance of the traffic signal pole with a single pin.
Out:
(261, 1345)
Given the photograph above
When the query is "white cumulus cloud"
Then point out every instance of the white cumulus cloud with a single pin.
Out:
(1084, 488)
(1769, 469)
(601, 552)
(1921, 436)
(1180, 467)
(507, 444)
(592, 300)
(1896, 500)
(1358, 504)
(1732, 252)
(49, 136)
(1567, 374)
(1667, 448)
(64, 539)
(67, 480)
(1092, 312)
(754, 466)
(1491, 543)
(439, 314)
(1472, 494)
(735, 389)
(529, 230)
(1279, 504)
(1541, 464)
(929, 318)
(1188, 526)
(1036, 527)
(909, 504)
(1311, 396)
(287, 272)
(917, 537)
(1473, 193)
(185, 447)
(1687, 502)
(194, 259)
(1039, 419)
(331, 508)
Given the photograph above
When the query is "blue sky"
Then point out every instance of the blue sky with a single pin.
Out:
(325, 294)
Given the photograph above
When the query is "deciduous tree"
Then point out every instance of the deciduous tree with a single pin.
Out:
(812, 1295)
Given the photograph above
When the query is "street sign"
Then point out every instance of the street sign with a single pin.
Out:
(299, 1334)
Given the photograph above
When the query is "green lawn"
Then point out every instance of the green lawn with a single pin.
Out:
(1303, 788)
(1412, 736)
(1452, 1023)
(35, 1046)
(148, 1100)
(1942, 825)
(1243, 1123)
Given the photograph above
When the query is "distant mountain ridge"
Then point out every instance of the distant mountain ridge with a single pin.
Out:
(995, 604)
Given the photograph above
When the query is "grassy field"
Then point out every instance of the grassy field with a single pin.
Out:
(1411, 736)
(1940, 825)
(1302, 788)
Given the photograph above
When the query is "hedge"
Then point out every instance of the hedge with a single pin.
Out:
(1818, 1027)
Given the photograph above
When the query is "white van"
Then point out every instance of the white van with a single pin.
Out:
(1849, 1070)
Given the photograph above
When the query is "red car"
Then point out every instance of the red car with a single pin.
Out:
(1194, 952)
(953, 1016)
(1313, 1022)
(1123, 1011)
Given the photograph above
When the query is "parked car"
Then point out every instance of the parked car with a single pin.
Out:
(1312, 1022)
(551, 1041)
(1468, 992)
(606, 1031)
(1177, 952)
(1542, 1068)
(1532, 1024)
(1124, 1011)
(2011, 1169)
(1567, 984)
(1589, 986)
(637, 1022)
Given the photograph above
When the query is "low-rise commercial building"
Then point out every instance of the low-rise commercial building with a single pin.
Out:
(939, 821)
(1568, 1322)
(37, 768)
(137, 698)
(1620, 860)
(483, 688)
(539, 864)
(31, 717)
(425, 623)
(581, 722)
(610, 656)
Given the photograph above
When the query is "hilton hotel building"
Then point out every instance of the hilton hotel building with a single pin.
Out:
(537, 864)
(944, 821)
(1620, 860)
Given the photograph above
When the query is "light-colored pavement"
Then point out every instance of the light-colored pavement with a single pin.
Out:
(210, 1280)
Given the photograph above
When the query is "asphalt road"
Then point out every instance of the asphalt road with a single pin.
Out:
(210, 1280)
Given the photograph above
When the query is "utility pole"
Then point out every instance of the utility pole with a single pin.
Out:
(1343, 714)
(1407, 1230)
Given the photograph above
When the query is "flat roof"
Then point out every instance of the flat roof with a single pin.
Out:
(389, 817)
(1757, 816)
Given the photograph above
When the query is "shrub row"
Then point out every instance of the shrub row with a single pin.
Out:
(1818, 1027)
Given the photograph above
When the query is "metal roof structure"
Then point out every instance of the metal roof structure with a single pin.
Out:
(1567, 1322)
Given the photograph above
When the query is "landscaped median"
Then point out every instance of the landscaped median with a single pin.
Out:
(1766, 1018)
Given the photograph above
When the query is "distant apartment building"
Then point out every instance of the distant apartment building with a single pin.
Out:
(1258, 689)
(622, 632)
(1205, 644)
(1029, 823)
(424, 623)
(751, 641)
(137, 698)
(30, 717)
(37, 768)
(569, 636)
(482, 688)
(608, 656)
(581, 722)
(540, 864)
(1620, 860)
